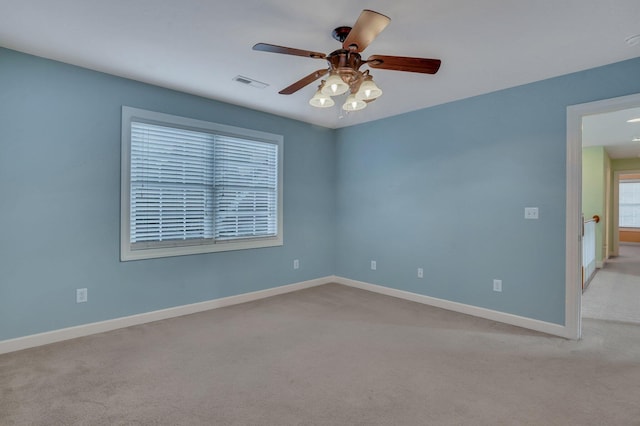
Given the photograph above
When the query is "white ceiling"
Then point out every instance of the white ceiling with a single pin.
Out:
(198, 46)
(612, 131)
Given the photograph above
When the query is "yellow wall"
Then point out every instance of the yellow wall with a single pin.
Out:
(595, 167)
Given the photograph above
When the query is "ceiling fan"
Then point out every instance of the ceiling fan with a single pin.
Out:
(344, 64)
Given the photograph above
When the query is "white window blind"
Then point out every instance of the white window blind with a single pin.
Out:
(171, 184)
(629, 207)
(245, 187)
(191, 186)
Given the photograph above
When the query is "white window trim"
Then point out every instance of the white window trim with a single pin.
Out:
(130, 114)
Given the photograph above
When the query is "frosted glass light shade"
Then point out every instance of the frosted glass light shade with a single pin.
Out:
(334, 86)
(353, 104)
(320, 100)
(368, 90)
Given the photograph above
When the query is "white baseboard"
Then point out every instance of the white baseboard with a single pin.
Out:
(524, 322)
(54, 336)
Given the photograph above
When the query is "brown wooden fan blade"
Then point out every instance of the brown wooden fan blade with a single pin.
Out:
(366, 28)
(264, 47)
(403, 63)
(304, 81)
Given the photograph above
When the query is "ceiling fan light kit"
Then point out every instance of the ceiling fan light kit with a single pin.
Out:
(335, 85)
(361, 87)
(320, 100)
(344, 65)
(353, 104)
(368, 90)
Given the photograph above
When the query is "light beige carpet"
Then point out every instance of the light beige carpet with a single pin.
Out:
(614, 292)
(329, 355)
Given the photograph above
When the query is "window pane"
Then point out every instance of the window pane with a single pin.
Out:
(629, 207)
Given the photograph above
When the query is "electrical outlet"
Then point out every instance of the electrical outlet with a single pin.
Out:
(374, 265)
(296, 264)
(497, 285)
(420, 273)
(81, 295)
(530, 212)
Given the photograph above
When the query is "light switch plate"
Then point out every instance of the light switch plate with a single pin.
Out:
(81, 295)
(530, 212)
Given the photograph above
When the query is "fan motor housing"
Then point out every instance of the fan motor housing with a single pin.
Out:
(346, 63)
(343, 58)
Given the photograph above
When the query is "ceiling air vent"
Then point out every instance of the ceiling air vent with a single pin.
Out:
(249, 81)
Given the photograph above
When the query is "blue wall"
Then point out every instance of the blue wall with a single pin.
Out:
(445, 188)
(442, 188)
(60, 208)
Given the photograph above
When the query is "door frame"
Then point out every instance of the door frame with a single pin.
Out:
(573, 259)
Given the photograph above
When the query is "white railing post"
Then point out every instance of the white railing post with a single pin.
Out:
(589, 251)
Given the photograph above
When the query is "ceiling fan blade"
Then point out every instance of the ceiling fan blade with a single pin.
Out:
(304, 81)
(404, 63)
(264, 47)
(366, 28)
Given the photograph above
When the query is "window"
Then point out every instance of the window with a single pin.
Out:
(629, 207)
(191, 186)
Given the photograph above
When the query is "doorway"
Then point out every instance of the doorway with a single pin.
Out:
(574, 222)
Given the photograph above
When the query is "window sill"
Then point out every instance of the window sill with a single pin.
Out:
(127, 254)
